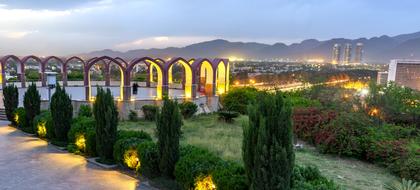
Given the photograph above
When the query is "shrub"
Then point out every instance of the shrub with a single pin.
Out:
(106, 117)
(169, 121)
(41, 123)
(123, 134)
(346, 135)
(10, 101)
(85, 111)
(32, 104)
(267, 144)
(20, 118)
(125, 148)
(310, 178)
(231, 176)
(307, 121)
(407, 167)
(82, 136)
(237, 99)
(228, 116)
(150, 112)
(386, 152)
(132, 116)
(188, 109)
(149, 159)
(61, 113)
(195, 165)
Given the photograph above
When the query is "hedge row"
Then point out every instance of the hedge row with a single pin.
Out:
(356, 135)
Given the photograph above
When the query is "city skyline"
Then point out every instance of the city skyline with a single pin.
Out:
(60, 27)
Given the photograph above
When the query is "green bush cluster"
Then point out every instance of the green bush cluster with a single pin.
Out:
(356, 135)
(237, 99)
(132, 116)
(128, 141)
(227, 116)
(149, 159)
(20, 118)
(150, 112)
(196, 164)
(85, 111)
(44, 120)
(188, 109)
(82, 127)
(10, 101)
(310, 177)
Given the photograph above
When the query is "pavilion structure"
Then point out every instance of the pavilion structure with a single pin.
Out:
(208, 76)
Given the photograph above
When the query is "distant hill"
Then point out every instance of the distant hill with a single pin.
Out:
(376, 50)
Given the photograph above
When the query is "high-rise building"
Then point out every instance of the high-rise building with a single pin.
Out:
(358, 58)
(336, 54)
(347, 54)
(405, 73)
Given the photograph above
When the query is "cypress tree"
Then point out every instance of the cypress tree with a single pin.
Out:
(61, 113)
(10, 101)
(169, 121)
(106, 117)
(267, 144)
(32, 105)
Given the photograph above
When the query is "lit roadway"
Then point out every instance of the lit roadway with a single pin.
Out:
(287, 87)
(30, 163)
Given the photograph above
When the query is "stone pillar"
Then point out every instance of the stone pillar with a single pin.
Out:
(107, 74)
(86, 82)
(64, 74)
(22, 80)
(194, 91)
(127, 86)
(43, 77)
(3, 76)
(148, 75)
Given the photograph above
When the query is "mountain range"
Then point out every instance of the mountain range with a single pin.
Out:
(375, 50)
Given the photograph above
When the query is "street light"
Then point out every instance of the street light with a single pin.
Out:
(51, 81)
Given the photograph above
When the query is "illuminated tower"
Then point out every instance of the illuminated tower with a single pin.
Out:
(336, 54)
(347, 54)
(359, 53)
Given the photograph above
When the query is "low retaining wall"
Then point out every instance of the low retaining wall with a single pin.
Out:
(205, 104)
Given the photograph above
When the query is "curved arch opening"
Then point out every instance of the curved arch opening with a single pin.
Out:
(206, 78)
(154, 75)
(183, 74)
(100, 68)
(221, 78)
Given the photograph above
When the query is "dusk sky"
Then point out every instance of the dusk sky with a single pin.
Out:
(47, 27)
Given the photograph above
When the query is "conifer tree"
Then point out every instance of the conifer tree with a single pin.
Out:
(10, 101)
(61, 113)
(169, 121)
(32, 105)
(106, 117)
(267, 144)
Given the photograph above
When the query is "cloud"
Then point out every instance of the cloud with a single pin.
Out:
(162, 42)
(16, 34)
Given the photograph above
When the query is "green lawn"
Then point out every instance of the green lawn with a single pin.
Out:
(225, 140)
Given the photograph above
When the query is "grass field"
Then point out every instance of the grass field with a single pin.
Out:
(225, 140)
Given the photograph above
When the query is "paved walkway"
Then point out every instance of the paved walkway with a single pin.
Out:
(30, 163)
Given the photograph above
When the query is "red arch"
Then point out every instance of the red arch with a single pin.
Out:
(93, 61)
(31, 57)
(7, 57)
(175, 60)
(143, 59)
(76, 58)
